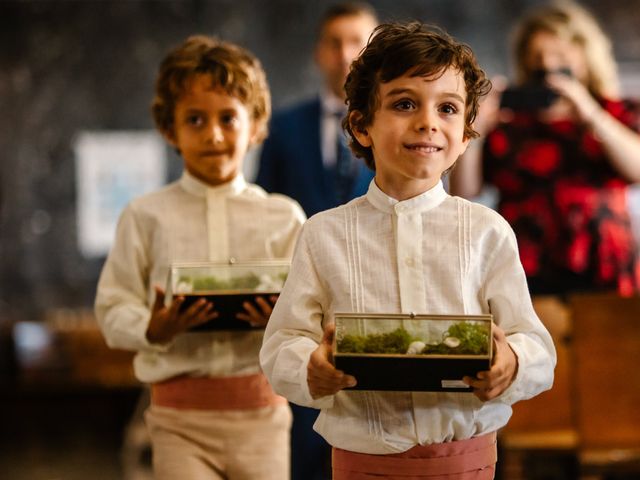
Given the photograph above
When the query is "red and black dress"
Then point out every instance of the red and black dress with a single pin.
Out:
(565, 202)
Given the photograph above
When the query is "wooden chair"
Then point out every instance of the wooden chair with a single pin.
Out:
(606, 334)
(544, 425)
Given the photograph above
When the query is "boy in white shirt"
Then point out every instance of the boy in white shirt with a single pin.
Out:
(407, 246)
(212, 415)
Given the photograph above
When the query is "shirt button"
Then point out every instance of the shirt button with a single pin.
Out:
(409, 262)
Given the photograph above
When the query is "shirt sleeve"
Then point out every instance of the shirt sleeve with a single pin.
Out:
(510, 303)
(121, 305)
(295, 329)
(283, 240)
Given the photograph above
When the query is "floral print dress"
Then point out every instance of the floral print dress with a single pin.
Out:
(565, 202)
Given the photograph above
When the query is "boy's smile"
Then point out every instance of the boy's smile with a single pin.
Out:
(417, 131)
(212, 130)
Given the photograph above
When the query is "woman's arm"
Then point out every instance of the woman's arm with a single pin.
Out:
(466, 178)
(620, 143)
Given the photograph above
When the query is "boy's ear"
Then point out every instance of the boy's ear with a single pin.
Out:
(170, 137)
(465, 144)
(359, 132)
(255, 134)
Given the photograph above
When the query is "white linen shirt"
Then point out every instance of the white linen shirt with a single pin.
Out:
(189, 221)
(432, 254)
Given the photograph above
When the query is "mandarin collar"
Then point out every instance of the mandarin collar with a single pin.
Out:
(420, 203)
(197, 187)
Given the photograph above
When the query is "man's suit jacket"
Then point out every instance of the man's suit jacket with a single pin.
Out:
(291, 161)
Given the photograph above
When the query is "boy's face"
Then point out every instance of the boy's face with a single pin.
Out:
(213, 131)
(417, 132)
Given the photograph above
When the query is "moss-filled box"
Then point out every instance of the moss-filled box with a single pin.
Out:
(228, 286)
(412, 352)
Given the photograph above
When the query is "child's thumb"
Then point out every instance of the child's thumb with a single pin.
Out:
(159, 302)
(329, 333)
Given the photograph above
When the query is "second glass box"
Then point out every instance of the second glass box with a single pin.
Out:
(399, 352)
(228, 286)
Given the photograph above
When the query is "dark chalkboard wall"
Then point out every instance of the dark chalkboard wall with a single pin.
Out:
(67, 66)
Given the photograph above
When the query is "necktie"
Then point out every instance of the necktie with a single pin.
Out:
(344, 165)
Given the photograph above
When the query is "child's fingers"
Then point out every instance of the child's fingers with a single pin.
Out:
(159, 301)
(264, 306)
(328, 382)
(197, 313)
(253, 316)
(251, 310)
(174, 309)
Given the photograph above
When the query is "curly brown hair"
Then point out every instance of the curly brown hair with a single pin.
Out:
(231, 67)
(395, 49)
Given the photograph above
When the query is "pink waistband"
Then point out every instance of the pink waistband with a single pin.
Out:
(437, 459)
(223, 393)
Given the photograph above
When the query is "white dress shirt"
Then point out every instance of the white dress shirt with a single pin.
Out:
(189, 221)
(333, 109)
(433, 254)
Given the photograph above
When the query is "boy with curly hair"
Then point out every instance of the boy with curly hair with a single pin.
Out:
(407, 246)
(212, 414)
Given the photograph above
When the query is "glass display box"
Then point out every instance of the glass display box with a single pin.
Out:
(398, 352)
(228, 286)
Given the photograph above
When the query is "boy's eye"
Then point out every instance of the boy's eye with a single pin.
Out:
(448, 108)
(404, 105)
(195, 120)
(229, 119)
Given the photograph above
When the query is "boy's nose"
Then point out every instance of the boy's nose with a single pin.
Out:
(427, 121)
(214, 134)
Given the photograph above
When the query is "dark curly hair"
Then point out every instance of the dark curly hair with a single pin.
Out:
(395, 49)
(231, 67)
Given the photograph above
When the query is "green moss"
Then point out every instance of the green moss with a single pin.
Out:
(393, 342)
(474, 340)
(250, 281)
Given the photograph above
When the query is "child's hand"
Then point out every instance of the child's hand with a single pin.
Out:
(167, 322)
(258, 318)
(322, 377)
(489, 384)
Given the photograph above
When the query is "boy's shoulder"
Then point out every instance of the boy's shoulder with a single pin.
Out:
(336, 214)
(274, 201)
(155, 197)
(484, 218)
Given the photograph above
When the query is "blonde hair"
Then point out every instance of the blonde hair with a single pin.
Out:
(231, 67)
(572, 22)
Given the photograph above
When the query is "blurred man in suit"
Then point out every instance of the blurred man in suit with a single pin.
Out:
(305, 155)
(307, 158)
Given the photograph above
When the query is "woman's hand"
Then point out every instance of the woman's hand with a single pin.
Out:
(322, 377)
(489, 110)
(585, 106)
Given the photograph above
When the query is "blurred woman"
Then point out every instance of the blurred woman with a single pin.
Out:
(561, 148)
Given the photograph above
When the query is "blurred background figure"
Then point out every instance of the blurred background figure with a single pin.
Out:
(306, 154)
(561, 148)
